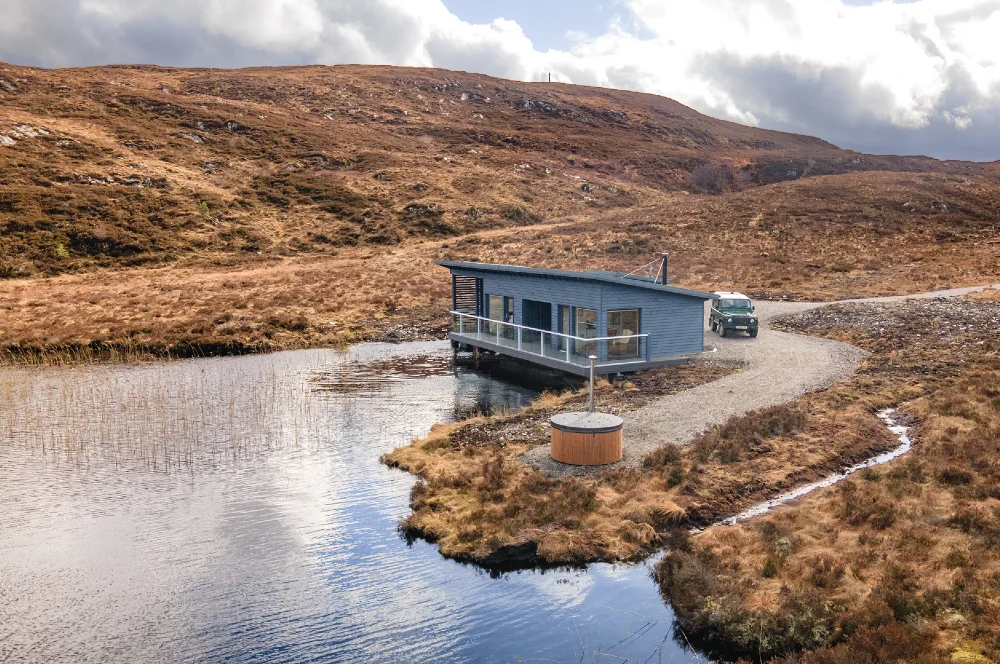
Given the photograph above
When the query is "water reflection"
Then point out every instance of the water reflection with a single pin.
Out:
(235, 510)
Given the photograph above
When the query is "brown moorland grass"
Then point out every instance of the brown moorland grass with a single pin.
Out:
(274, 303)
(898, 563)
(213, 212)
(132, 165)
(479, 503)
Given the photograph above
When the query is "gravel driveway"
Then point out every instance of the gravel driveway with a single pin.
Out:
(778, 367)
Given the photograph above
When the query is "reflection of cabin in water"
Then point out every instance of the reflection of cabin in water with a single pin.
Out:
(558, 318)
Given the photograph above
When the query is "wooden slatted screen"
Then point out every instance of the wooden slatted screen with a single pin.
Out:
(467, 295)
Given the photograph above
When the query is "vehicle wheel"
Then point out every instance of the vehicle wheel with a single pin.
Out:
(714, 326)
(722, 332)
(753, 334)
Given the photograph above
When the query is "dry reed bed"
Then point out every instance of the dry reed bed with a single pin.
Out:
(167, 417)
(898, 564)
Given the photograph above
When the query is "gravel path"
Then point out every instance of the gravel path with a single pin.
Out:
(778, 368)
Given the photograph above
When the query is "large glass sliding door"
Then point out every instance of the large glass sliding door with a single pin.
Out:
(537, 316)
(623, 323)
(494, 311)
(500, 309)
(586, 328)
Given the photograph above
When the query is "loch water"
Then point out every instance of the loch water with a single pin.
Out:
(235, 510)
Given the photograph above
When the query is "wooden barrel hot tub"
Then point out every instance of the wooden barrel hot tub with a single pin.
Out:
(586, 439)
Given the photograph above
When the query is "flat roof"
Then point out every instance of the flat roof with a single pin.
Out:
(617, 278)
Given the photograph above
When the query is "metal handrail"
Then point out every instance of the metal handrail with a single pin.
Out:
(557, 334)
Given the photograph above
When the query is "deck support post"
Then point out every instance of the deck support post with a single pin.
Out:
(519, 331)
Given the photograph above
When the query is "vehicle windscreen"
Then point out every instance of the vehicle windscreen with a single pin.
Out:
(736, 305)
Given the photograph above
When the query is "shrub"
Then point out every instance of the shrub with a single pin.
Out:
(637, 533)
(892, 642)
(747, 436)
(860, 507)
(826, 572)
(291, 323)
(710, 607)
(664, 456)
(712, 178)
(493, 479)
(417, 494)
(771, 567)
(521, 215)
(952, 476)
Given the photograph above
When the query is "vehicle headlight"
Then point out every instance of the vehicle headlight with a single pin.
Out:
(753, 320)
(729, 320)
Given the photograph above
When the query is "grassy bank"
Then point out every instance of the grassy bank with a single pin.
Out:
(480, 503)
(799, 241)
(899, 564)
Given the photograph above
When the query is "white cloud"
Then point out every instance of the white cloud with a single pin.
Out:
(902, 77)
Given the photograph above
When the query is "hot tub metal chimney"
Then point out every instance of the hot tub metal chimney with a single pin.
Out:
(663, 268)
(593, 361)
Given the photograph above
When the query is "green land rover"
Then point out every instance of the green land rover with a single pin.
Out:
(733, 312)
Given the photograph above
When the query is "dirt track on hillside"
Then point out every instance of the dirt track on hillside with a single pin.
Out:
(778, 367)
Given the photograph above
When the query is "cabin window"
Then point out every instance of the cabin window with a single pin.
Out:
(536, 315)
(586, 328)
(624, 323)
(501, 308)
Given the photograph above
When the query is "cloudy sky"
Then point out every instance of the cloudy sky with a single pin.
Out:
(917, 77)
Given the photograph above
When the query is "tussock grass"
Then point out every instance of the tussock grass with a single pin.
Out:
(747, 436)
(900, 563)
(482, 504)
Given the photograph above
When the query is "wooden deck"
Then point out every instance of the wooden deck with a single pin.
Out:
(558, 351)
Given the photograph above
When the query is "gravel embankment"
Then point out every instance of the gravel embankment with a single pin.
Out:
(939, 320)
(778, 368)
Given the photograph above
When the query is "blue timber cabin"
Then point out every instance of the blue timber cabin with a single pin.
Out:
(558, 318)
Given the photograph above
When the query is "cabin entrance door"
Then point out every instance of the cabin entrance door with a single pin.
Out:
(537, 315)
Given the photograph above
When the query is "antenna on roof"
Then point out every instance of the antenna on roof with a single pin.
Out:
(661, 275)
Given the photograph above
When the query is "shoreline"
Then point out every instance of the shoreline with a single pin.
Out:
(480, 500)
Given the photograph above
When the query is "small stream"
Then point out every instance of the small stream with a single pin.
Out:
(889, 417)
(235, 509)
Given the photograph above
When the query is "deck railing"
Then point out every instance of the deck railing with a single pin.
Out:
(626, 349)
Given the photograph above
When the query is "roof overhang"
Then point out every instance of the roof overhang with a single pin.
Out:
(594, 276)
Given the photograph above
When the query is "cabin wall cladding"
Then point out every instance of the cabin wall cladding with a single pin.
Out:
(665, 317)
(674, 323)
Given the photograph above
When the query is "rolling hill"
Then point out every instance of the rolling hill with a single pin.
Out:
(351, 176)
